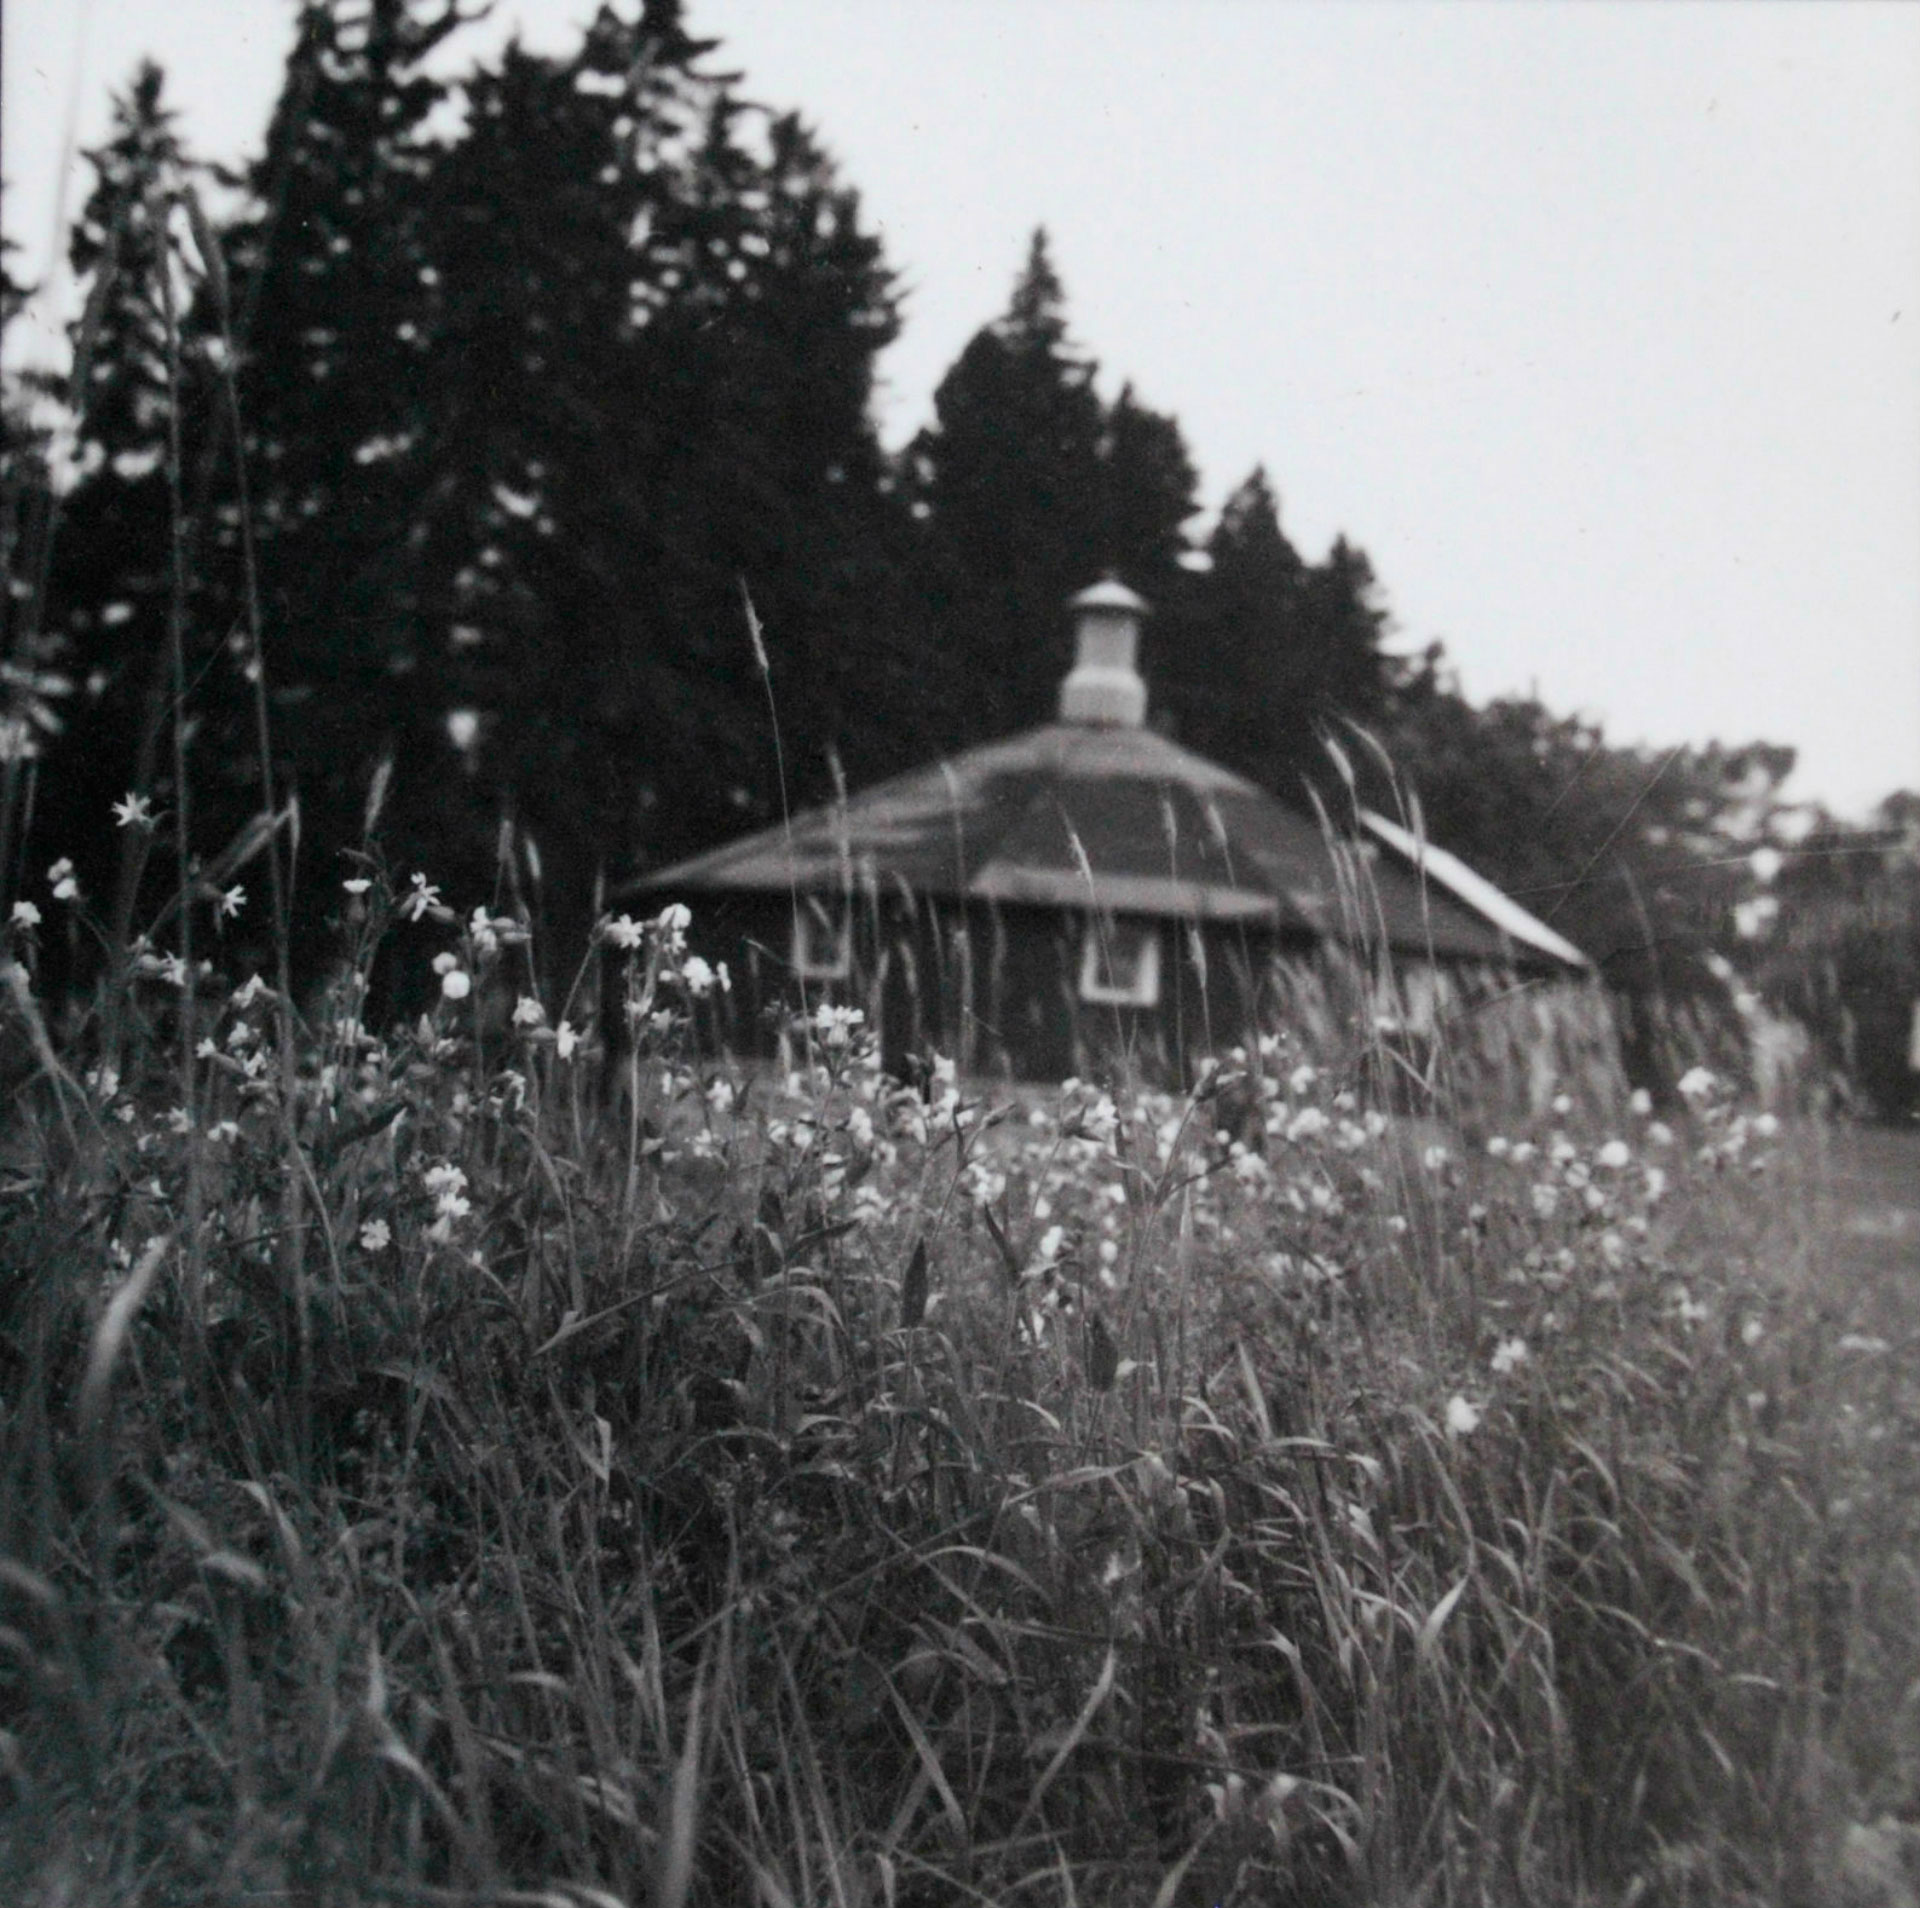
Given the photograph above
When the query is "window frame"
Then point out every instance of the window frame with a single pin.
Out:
(824, 916)
(1100, 940)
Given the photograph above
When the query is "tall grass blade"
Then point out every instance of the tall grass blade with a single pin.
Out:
(116, 1326)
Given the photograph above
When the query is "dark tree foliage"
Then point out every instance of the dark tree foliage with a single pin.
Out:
(659, 320)
(1027, 489)
(34, 687)
(1835, 942)
(1272, 654)
(1148, 493)
(1641, 857)
(1220, 684)
(335, 307)
(536, 537)
(531, 401)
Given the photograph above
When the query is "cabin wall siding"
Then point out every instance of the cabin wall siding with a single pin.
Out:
(996, 986)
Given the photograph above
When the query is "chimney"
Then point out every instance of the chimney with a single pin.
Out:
(1104, 689)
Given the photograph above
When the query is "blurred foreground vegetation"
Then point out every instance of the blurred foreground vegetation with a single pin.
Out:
(476, 1462)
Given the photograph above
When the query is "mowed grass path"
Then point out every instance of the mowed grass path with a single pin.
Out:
(1868, 1205)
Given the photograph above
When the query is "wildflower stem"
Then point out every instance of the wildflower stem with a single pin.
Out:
(293, 1177)
(182, 797)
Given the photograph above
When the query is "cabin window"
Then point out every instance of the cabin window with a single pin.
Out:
(822, 945)
(1120, 963)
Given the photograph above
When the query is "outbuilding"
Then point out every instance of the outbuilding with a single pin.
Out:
(1090, 896)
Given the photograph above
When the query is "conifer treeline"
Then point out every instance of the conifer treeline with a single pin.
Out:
(536, 371)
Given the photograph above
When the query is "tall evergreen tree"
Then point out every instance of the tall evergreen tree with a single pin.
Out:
(1148, 492)
(651, 387)
(1027, 488)
(1276, 652)
(1011, 488)
(553, 231)
(109, 585)
(33, 687)
(1337, 661)
(334, 310)
(787, 473)
(1224, 685)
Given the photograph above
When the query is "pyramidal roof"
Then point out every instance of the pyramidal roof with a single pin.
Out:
(1101, 812)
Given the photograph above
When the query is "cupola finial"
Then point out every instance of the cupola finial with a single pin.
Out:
(1104, 688)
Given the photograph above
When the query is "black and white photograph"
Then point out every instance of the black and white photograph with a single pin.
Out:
(960, 953)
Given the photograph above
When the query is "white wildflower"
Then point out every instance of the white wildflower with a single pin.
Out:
(1499, 1147)
(1697, 1083)
(1509, 1355)
(375, 1236)
(1463, 1418)
(982, 1184)
(456, 984)
(624, 932)
(835, 1025)
(421, 897)
(25, 915)
(356, 885)
(1862, 1342)
(136, 811)
(566, 1037)
(527, 1012)
(1615, 1154)
(65, 887)
(481, 932)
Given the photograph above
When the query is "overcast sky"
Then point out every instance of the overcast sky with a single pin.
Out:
(1598, 326)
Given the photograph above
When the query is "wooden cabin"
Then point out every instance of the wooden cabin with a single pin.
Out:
(1089, 896)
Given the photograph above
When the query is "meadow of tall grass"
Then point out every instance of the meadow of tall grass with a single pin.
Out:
(517, 1456)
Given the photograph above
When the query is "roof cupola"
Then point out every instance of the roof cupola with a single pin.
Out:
(1104, 688)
